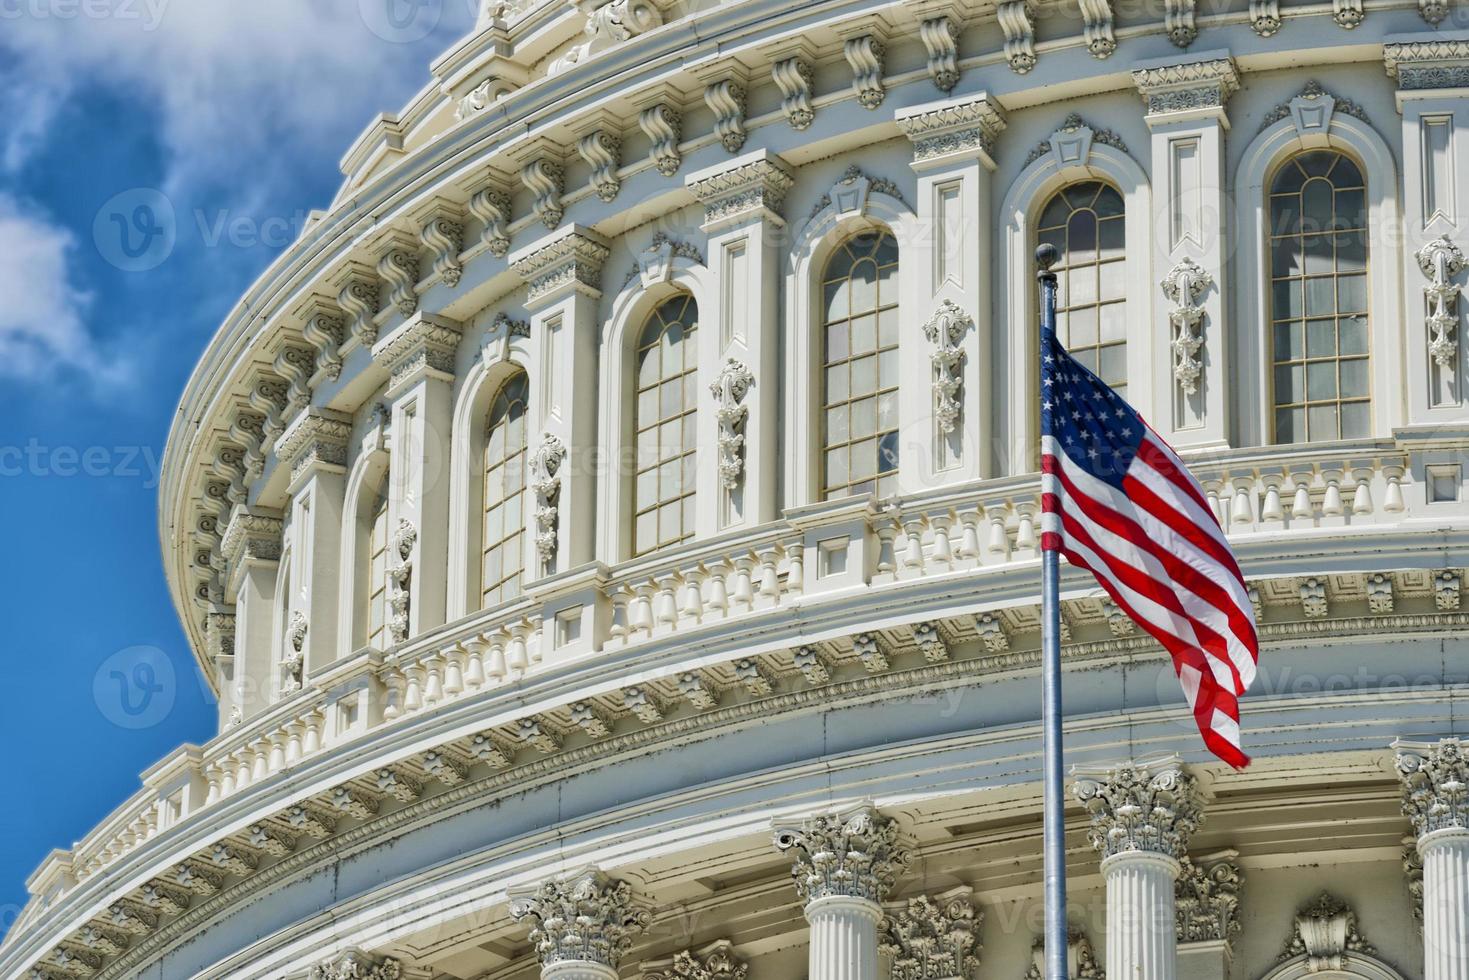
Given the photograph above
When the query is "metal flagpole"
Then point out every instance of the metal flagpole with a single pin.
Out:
(1054, 802)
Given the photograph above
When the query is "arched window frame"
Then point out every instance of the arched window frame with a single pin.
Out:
(640, 296)
(1017, 430)
(503, 353)
(366, 479)
(811, 250)
(1261, 160)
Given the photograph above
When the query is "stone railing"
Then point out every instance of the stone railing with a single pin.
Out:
(689, 594)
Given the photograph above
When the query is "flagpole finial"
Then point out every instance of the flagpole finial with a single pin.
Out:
(1045, 257)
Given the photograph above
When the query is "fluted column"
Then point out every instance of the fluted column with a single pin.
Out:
(1142, 817)
(580, 925)
(1436, 798)
(844, 866)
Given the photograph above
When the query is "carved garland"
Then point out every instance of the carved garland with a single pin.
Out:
(1441, 260)
(1183, 286)
(545, 465)
(943, 330)
(729, 390)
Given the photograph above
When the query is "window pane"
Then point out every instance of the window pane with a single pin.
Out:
(1318, 208)
(665, 414)
(504, 491)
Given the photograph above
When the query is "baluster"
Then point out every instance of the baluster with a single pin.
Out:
(769, 577)
(393, 699)
(496, 668)
(692, 606)
(1301, 508)
(887, 560)
(413, 693)
(1241, 512)
(454, 670)
(433, 689)
(294, 731)
(913, 542)
(212, 784)
(796, 567)
(242, 768)
(226, 778)
(261, 768)
(474, 670)
(622, 598)
(744, 590)
(969, 537)
(1211, 496)
(1362, 497)
(277, 760)
(1025, 528)
(665, 606)
(1271, 509)
(535, 640)
(315, 722)
(640, 618)
(515, 656)
(943, 551)
(717, 599)
(1392, 501)
(997, 542)
(1331, 504)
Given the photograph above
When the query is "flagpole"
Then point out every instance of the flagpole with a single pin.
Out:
(1053, 799)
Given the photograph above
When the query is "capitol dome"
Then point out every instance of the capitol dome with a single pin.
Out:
(611, 529)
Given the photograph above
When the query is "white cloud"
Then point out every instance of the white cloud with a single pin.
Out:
(43, 319)
(245, 89)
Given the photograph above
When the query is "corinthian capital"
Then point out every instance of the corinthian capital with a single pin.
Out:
(354, 964)
(1149, 807)
(1435, 784)
(586, 918)
(933, 938)
(857, 854)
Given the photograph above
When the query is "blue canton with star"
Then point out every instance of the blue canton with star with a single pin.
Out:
(1093, 426)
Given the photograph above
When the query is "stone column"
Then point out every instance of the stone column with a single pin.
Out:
(1189, 373)
(563, 277)
(742, 203)
(1142, 817)
(844, 866)
(1432, 73)
(314, 448)
(581, 925)
(948, 396)
(419, 359)
(1436, 799)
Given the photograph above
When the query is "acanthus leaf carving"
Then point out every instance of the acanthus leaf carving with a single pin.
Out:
(398, 266)
(865, 55)
(543, 178)
(400, 579)
(940, 37)
(491, 206)
(359, 299)
(293, 660)
(1081, 960)
(322, 328)
(726, 99)
(602, 151)
(609, 24)
(588, 918)
(857, 854)
(1206, 899)
(944, 330)
(1325, 931)
(354, 964)
(717, 961)
(933, 938)
(663, 126)
(729, 389)
(444, 237)
(1184, 284)
(1435, 780)
(1141, 807)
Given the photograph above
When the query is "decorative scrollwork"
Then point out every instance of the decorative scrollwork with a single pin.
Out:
(1183, 286)
(729, 389)
(1441, 260)
(944, 330)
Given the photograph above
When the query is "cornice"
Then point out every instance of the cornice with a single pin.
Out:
(1428, 63)
(569, 259)
(315, 438)
(752, 185)
(955, 128)
(423, 346)
(1198, 87)
(251, 536)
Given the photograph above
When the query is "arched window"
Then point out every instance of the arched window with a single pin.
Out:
(665, 416)
(1085, 223)
(1318, 298)
(504, 474)
(375, 566)
(859, 418)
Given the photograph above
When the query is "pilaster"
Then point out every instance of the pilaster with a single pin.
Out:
(1436, 799)
(251, 549)
(946, 393)
(1432, 72)
(1142, 815)
(742, 205)
(933, 937)
(563, 277)
(314, 448)
(1186, 357)
(1206, 900)
(419, 359)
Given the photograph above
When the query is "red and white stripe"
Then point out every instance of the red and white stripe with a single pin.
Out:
(1158, 551)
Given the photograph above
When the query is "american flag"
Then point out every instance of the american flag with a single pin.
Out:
(1118, 502)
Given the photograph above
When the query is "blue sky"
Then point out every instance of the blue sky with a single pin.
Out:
(236, 113)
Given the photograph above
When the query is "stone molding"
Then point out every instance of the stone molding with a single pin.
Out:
(251, 536)
(955, 129)
(316, 437)
(1429, 64)
(586, 917)
(1187, 89)
(571, 259)
(1140, 808)
(857, 854)
(425, 345)
(1325, 931)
